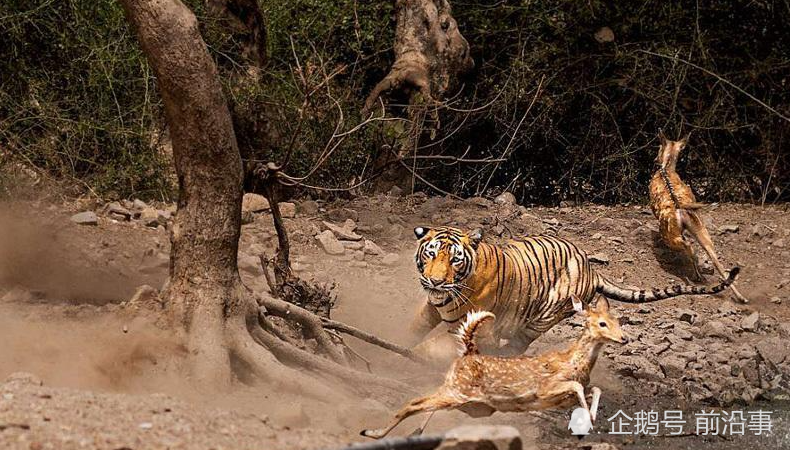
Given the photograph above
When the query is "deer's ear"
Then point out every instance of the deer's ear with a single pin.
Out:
(420, 232)
(662, 137)
(602, 304)
(685, 139)
(578, 306)
(475, 237)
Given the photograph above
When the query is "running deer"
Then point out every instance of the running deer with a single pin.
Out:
(479, 384)
(676, 209)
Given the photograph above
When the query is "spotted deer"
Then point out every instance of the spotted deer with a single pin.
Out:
(480, 384)
(674, 205)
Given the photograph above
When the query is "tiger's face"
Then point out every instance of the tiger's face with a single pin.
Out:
(445, 258)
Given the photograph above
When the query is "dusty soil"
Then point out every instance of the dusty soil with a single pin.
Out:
(107, 380)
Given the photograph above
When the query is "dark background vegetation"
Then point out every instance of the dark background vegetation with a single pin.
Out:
(78, 103)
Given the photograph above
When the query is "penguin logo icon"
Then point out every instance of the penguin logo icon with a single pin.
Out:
(581, 423)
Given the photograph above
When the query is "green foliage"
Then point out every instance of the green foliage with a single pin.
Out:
(76, 97)
(78, 101)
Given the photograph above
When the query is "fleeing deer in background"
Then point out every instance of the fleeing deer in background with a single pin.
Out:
(481, 384)
(674, 205)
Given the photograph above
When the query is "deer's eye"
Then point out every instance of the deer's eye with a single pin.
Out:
(603, 325)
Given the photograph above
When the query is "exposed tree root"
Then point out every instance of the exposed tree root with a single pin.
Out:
(310, 323)
(362, 383)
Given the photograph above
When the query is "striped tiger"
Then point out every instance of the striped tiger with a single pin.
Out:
(527, 283)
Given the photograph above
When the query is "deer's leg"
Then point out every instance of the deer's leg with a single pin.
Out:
(428, 403)
(700, 233)
(561, 389)
(596, 397)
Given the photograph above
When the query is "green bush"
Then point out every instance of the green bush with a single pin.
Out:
(78, 101)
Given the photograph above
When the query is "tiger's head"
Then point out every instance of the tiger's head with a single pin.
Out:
(445, 258)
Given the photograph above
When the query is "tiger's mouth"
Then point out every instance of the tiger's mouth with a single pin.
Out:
(437, 296)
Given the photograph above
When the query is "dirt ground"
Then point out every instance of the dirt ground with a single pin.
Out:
(61, 285)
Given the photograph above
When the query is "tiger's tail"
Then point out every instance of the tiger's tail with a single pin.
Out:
(469, 329)
(622, 294)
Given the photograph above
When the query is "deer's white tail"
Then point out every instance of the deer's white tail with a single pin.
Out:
(469, 329)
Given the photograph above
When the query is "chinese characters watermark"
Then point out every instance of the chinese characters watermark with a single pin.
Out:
(717, 423)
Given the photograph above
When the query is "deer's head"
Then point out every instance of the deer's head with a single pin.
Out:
(600, 323)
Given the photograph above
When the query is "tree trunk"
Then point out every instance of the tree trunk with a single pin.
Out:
(430, 52)
(204, 288)
(205, 298)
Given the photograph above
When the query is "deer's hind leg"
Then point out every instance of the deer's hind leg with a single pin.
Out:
(679, 241)
(435, 402)
(697, 229)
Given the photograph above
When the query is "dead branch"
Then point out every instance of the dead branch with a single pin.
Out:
(309, 322)
(371, 339)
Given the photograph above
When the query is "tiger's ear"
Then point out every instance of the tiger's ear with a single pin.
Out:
(578, 306)
(420, 232)
(475, 237)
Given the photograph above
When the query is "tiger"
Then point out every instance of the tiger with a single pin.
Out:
(526, 283)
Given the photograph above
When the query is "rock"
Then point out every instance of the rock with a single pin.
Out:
(604, 35)
(773, 349)
(784, 329)
(116, 211)
(24, 378)
(85, 218)
(715, 328)
(288, 210)
(370, 248)
(395, 231)
(341, 214)
(149, 217)
(395, 191)
(481, 437)
(616, 240)
(254, 203)
(329, 243)
(686, 315)
(600, 258)
(729, 229)
(673, 366)
(343, 233)
(597, 236)
(751, 322)
(139, 204)
(163, 215)
(390, 259)
(779, 243)
(683, 334)
(360, 264)
(359, 255)
(352, 245)
(505, 198)
(307, 208)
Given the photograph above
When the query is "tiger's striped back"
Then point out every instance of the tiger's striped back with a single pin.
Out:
(526, 283)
